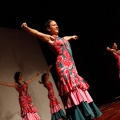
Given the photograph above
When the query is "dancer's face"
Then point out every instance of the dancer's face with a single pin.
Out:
(115, 46)
(20, 77)
(53, 28)
(47, 76)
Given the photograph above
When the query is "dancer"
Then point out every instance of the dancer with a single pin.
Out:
(28, 110)
(114, 50)
(72, 88)
(55, 109)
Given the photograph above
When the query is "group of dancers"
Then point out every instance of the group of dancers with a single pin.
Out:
(73, 89)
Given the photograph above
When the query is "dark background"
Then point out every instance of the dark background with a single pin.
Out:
(97, 24)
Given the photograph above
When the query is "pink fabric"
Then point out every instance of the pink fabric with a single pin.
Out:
(55, 108)
(81, 95)
(76, 97)
(31, 116)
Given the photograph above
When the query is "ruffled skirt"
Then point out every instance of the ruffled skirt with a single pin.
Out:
(80, 106)
(58, 115)
(31, 116)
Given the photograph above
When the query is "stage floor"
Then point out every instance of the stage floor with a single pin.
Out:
(110, 111)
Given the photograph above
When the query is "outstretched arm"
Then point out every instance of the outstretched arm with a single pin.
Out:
(74, 37)
(110, 50)
(8, 84)
(47, 73)
(48, 69)
(32, 79)
(45, 37)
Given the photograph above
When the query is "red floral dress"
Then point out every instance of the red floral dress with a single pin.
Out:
(66, 69)
(54, 103)
(72, 87)
(25, 100)
(117, 56)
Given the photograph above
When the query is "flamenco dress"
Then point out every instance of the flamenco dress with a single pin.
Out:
(73, 89)
(28, 110)
(55, 108)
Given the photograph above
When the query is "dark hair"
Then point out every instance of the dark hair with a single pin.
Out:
(43, 78)
(47, 25)
(16, 76)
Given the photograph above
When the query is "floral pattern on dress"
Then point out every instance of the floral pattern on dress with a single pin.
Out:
(117, 56)
(25, 100)
(65, 67)
(51, 95)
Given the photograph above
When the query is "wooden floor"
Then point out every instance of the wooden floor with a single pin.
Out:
(110, 111)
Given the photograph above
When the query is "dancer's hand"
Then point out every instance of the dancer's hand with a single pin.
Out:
(75, 37)
(24, 25)
(49, 66)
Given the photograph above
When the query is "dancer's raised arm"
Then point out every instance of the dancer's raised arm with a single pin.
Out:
(74, 37)
(8, 84)
(33, 78)
(113, 49)
(45, 37)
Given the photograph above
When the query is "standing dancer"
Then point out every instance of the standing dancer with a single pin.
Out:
(72, 88)
(55, 108)
(28, 110)
(114, 50)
